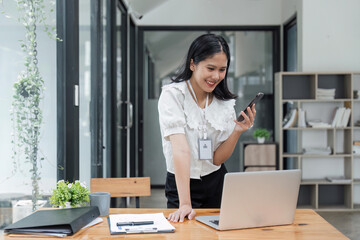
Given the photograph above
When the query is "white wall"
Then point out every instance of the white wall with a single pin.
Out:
(330, 35)
(288, 9)
(214, 12)
(328, 30)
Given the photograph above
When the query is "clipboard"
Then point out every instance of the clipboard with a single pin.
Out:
(56, 221)
(160, 224)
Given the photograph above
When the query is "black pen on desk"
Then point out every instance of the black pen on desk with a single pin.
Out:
(134, 223)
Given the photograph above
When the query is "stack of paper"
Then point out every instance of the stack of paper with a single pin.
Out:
(340, 179)
(317, 150)
(341, 117)
(318, 124)
(325, 94)
(131, 223)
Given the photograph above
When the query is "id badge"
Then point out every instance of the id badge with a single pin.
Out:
(205, 149)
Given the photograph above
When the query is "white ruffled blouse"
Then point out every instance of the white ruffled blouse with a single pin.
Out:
(179, 113)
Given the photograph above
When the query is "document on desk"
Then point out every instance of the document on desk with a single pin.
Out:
(132, 223)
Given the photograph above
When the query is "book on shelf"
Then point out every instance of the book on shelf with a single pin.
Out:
(290, 119)
(346, 117)
(336, 117)
(341, 117)
(356, 143)
(301, 118)
(338, 179)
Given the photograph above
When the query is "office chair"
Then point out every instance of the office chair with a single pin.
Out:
(122, 187)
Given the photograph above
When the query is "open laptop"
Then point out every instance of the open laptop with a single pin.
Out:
(256, 199)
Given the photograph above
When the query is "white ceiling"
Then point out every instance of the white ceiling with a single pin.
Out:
(168, 48)
(143, 6)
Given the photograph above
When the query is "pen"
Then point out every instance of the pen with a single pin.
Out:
(134, 223)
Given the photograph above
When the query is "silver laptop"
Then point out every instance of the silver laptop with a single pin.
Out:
(256, 199)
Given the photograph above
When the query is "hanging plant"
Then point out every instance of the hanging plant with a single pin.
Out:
(26, 112)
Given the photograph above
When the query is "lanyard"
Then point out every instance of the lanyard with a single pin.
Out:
(202, 111)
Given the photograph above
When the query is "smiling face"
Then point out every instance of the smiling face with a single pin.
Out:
(207, 74)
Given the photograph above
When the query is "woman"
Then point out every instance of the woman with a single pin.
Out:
(198, 128)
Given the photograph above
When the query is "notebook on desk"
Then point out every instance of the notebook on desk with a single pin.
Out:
(256, 199)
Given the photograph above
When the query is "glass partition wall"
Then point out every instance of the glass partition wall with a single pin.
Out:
(254, 59)
(15, 173)
(103, 89)
(15, 185)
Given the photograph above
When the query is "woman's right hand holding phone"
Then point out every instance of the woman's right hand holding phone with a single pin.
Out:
(248, 121)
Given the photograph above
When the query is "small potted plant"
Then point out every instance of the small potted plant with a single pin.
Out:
(67, 195)
(261, 134)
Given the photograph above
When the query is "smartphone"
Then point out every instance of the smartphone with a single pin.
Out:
(255, 100)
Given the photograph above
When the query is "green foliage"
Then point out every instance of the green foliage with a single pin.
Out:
(75, 193)
(261, 132)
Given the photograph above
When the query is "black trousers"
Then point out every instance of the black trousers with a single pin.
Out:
(205, 192)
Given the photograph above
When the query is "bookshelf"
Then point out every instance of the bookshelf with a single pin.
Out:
(305, 91)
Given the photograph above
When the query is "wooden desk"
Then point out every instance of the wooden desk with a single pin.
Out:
(307, 225)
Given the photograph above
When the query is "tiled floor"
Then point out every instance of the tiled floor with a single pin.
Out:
(346, 222)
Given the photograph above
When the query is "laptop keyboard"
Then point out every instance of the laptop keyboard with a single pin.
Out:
(216, 222)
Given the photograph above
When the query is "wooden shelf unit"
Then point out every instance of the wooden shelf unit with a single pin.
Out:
(300, 91)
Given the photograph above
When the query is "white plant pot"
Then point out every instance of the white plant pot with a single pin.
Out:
(67, 205)
(261, 139)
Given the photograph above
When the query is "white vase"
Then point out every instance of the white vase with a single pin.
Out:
(67, 205)
(261, 139)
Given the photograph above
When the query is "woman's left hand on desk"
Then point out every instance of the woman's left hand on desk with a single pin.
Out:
(180, 214)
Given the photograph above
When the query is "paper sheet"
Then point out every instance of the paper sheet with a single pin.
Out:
(161, 224)
(93, 222)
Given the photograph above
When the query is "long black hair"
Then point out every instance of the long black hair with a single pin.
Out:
(201, 48)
